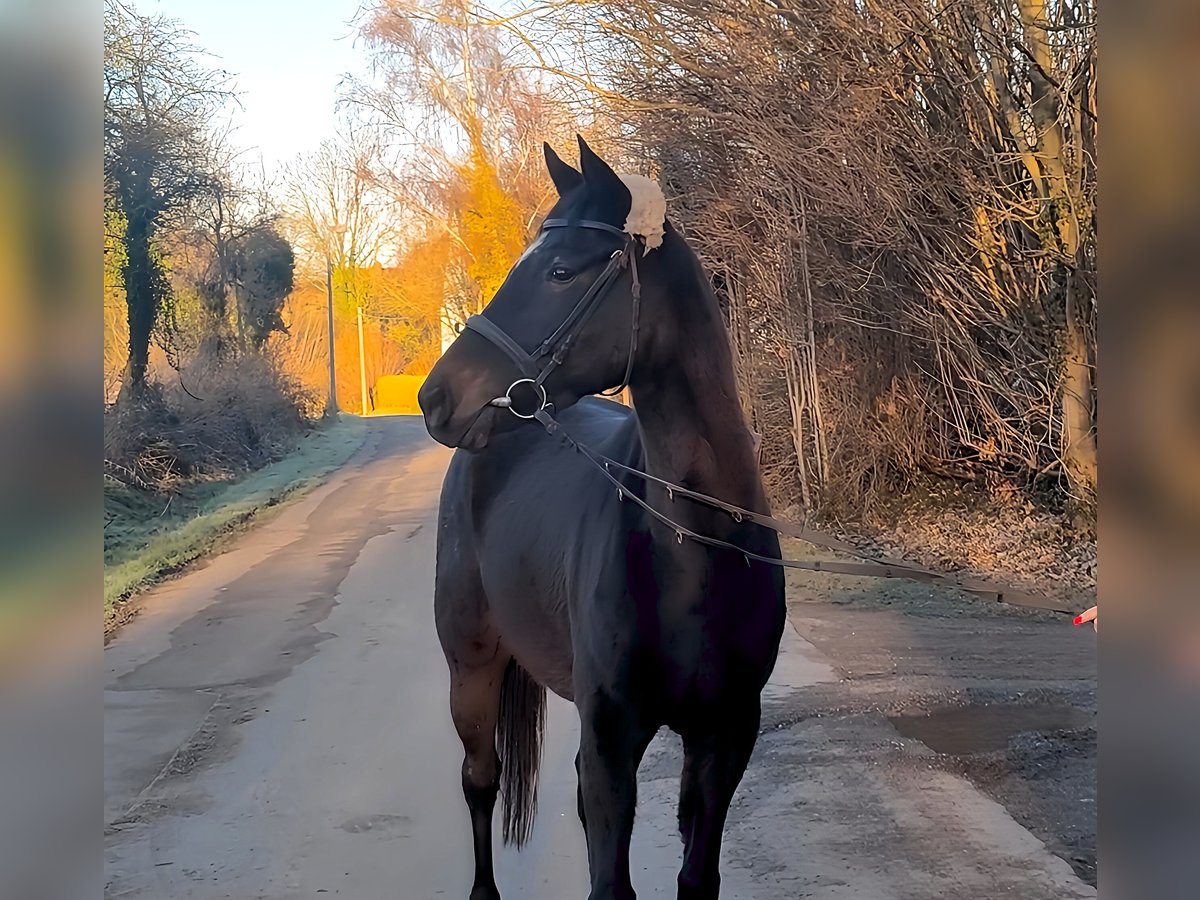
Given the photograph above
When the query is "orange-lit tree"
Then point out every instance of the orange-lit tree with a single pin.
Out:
(464, 118)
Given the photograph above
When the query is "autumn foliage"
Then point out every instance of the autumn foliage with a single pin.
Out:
(491, 223)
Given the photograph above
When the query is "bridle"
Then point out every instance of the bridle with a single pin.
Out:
(537, 366)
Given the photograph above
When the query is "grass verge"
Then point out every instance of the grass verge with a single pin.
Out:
(150, 536)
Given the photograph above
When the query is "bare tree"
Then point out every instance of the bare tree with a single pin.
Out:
(896, 200)
(335, 212)
(463, 114)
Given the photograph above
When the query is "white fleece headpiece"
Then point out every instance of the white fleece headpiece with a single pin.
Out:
(647, 211)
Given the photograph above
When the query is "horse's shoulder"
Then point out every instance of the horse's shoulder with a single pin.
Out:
(608, 427)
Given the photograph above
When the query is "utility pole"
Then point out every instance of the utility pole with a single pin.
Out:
(331, 407)
(362, 364)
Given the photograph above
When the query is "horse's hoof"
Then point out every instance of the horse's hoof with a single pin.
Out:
(485, 892)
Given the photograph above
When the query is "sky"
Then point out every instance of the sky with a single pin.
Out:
(286, 58)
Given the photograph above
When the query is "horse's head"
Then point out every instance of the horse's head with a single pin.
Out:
(565, 322)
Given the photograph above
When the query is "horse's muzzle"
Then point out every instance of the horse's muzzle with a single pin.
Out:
(469, 430)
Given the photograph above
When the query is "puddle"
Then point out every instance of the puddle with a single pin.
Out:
(983, 729)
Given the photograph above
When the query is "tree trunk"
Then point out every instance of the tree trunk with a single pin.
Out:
(141, 276)
(793, 376)
(1079, 433)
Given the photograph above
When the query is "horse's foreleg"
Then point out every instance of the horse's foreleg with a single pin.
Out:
(579, 797)
(713, 766)
(475, 706)
(610, 749)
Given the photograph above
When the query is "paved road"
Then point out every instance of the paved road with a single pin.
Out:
(277, 727)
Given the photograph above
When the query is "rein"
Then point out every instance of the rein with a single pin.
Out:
(559, 344)
(871, 567)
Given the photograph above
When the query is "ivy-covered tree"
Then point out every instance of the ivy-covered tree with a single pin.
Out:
(158, 102)
(265, 272)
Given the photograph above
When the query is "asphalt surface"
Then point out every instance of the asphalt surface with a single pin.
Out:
(276, 726)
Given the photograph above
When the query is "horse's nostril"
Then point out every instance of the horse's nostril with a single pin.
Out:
(435, 404)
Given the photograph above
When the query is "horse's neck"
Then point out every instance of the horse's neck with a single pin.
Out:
(693, 430)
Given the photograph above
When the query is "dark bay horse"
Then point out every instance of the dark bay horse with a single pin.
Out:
(546, 578)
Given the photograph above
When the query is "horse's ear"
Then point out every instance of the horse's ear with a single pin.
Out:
(596, 171)
(563, 175)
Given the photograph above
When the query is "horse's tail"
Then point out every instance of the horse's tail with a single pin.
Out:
(519, 737)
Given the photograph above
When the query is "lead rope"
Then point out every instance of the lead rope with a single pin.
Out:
(871, 567)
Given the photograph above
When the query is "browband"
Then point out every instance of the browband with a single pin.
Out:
(585, 223)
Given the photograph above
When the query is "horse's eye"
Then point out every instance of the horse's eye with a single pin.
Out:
(561, 274)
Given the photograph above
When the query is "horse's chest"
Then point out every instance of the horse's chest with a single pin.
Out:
(703, 660)
(709, 643)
